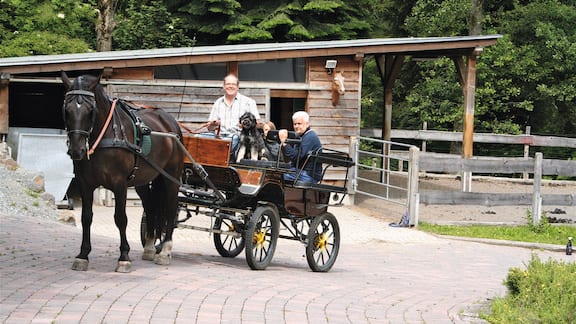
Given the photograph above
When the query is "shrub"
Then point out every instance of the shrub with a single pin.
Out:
(543, 293)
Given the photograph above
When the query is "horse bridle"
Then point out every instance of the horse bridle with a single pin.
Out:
(82, 132)
(93, 112)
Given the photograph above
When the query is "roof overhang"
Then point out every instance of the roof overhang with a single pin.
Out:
(420, 47)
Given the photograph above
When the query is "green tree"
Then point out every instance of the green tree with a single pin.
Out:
(148, 24)
(229, 21)
(37, 27)
(527, 78)
(544, 35)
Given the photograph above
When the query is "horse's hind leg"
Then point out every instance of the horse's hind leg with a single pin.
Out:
(151, 214)
(166, 200)
(121, 221)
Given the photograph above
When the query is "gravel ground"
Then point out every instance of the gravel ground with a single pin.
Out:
(22, 193)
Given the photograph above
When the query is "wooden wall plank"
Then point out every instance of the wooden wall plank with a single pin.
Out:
(191, 105)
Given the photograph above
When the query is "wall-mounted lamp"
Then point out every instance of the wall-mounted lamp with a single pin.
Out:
(4, 78)
(330, 66)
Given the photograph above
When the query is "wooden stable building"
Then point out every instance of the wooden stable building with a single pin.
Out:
(281, 77)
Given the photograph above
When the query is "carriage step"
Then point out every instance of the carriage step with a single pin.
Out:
(236, 218)
(206, 201)
(195, 193)
(210, 230)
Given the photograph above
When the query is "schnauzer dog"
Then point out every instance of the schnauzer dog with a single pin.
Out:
(251, 145)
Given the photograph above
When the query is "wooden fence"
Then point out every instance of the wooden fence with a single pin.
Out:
(537, 166)
(419, 161)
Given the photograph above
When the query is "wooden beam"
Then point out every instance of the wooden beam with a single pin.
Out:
(462, 47)
(232, 68)
(442, 197)
(4, 82)
(468, 118)
(388, 68)
(288, 93)
(445, 136)
(460, 70)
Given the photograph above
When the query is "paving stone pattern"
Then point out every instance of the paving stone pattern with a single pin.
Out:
(382, 275)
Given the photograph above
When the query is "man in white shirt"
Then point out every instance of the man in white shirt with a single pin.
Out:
(227, 109)
(225, 115)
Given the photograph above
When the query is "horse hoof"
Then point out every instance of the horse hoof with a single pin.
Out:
(80, 265)
(162, 259)
(149, 255)
(124, 266)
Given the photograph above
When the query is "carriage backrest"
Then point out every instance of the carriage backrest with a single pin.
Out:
(207, 150)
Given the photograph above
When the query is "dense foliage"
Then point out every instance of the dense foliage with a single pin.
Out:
(527, 79)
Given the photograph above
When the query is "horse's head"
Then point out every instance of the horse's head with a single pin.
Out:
(338, 88)
(338, 83)
(79, 112)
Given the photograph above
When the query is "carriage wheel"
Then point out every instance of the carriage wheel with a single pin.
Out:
(227, 246)
(261, 236)
(143, 228)
(323, 243)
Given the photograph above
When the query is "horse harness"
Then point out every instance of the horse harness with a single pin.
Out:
(142, 133)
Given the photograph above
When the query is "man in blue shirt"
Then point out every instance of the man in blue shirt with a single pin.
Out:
(297, 153)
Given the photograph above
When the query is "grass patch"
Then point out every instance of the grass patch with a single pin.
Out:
(543, 293)
(522, 233)
(532, 233)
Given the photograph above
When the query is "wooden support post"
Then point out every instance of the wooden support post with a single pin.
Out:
(525, 175)
(468, 118)
(388, 68)
(424, 127)
(413, 196)
(537, 194)
(232, 68)
(4, 86)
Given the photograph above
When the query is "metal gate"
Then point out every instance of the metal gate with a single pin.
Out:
(389, 171)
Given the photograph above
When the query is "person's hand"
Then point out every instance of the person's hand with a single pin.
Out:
(213, 124)
(282, 135)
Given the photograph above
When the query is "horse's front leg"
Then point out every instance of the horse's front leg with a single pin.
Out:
(81, 261)
(121, 221)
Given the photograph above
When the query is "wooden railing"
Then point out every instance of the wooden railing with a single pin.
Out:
(420, 162)
(537, 166)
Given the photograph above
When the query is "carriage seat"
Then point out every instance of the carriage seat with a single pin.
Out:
(326, 159)
(264, 164)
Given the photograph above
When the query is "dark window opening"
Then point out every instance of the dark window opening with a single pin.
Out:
(285, 70)
(37, 105)
(209, 71)
(281, 110)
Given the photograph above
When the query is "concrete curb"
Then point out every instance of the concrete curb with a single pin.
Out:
(527, 245)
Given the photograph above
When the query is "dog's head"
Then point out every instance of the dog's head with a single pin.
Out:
(247, 121)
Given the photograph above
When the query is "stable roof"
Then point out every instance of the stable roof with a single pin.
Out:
(418, 47)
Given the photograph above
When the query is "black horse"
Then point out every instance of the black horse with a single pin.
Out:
(117, 146)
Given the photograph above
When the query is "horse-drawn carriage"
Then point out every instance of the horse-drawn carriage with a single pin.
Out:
(116, 146)
(252, 205)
